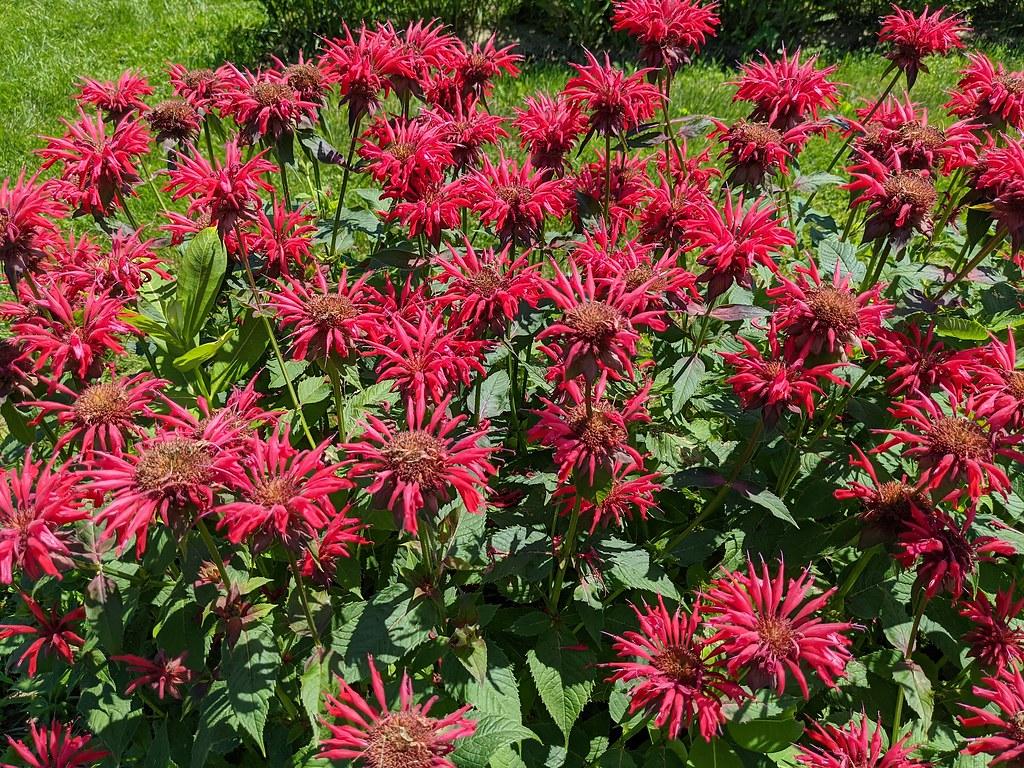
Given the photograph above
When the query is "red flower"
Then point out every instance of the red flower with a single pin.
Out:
(598, 331)
(281, 493)
(337, 540)
(514, 199)
(432, 211)
(326, 322)
(629, 187)
(853, 745)
(668, 30)
(677, 673)
(122, 271)
(942, 552)
(382, 738)
(413, 470)
(264, 106)
(630, 494)
(994, 642)
(198, 87)
(80, 331)
(885, 506)
(363, 67)
(589, 438)
(103, 414)
(468, 129)
(26, 229)
(786, 91)
(96, 170)
(406, 156)
(755, 149)
(228, 191)
(164, 674)
(767, 626)
(672, 214)
(988, 94)
(899, 201)
(617, 102)
(36, 503)
(1000, 384)
(548, 128)
(819, 318)
(733, 240)
(913, 38)
(54, 634)
(54, 746)
(282, 239)
(1005, 690)
(117, 99)
(173, 475)
(476, 68)
(774, 384)
(310, 82)
(955, 448)
(919, 363)
(485, 290)
(1000, 183)
(431, 46)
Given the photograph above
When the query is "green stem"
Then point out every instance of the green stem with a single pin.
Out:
(332, 371)
(877, 264)
(303, 598)
(608, 182)
(209, 142)
(344, 185)
(284, 177)
(990, 246)
(124, 207)
(911, 641)
(211, 545)
(568, 548)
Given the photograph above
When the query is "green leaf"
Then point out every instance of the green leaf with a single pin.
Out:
(766, 734)
(359, 404)
(687, 374)
(562, 679)
(494, 395)
(199, 355)
(107, 618)
(832, 250)
(112, 718)
(17, 423)
(214, 730)
(313, 682)
(917, 689)
(241, 352)
(395, 622)
(492, 733)
(159, 754)
(250, 672)
(497, 693)
(961, 328)
(772, 503)
(714, 754)
(630, 567)
(199, 271)
(314, 389)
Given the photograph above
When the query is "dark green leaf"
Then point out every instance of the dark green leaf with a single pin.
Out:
(250, 669)
(562, 679)
(199, 270)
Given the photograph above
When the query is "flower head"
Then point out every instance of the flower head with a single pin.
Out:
(264, 105)
(785, 92)
(199, 87)
(406, 156)
(477, 66)
(282, 239)
(854, 745)
(630, 494)
(55, 746)
(899, 202)
(913, 38)
(996, 637)
(54, 633)
(1004, 691)
(383, 738)
(755, 150)
(673, 671)
(616, 102)
(431, 211)
(917, 362)
(769, 626)
(668, 31)
(27, 228)
(468, 129)
(116, 98)
(166, 675)
(549, 127)
(988, 94)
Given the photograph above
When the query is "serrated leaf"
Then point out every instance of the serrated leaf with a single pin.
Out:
(687, 374)
(492, 733)
(214, 729)
(312, 684)
(630, 567)
(832, 251)
(494, 395)
(250, 674)
(917, 690)
(497, 693)
(771, 502)
(563, 683)
(112, 718)
(359, 404)
(395, 622)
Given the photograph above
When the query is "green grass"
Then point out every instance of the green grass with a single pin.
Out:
(48, 44)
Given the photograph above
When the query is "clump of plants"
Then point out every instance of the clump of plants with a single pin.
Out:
(351, 420)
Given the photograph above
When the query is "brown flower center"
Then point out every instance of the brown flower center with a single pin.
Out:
(486, 282)
(5, 222)
(175, 118)
(330, 311)
(835, 308)
(416, 457)
(960, 437)
(402, 150)
(1016, 726)
(594, 320)
(911, 189)
(199, 77)
(1015, 384)
(180, 462)
(926, 136)
(514, 194)
(1012, 82)
(599, 431)
(271, 94)
(305, 78)
(773, 368)
(401, 740)
(680, 663)
(759, 134)
(777, 635)
(278, 491)
(640, 274)
(103, 403)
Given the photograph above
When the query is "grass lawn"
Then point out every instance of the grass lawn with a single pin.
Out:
(50, 43)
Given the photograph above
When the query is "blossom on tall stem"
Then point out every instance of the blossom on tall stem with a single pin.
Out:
(732, 240)
(413, 471)
(283, 239)
(117, 99)
(1004, 693)
(899, 202)
(55, 746)
(199, 87)
(468, 129)
(588, 432)
(855, 745)
(988, 94)
(615, 102)
(918, 362)
(767, 626)
(228, 191)
(825, 318)
(97, 169)
(673, 671)
(956, 449)
(54, 633)
(307, 78)
(996, 638)
(911, 39)
(431, 211)
(621, 182)
(477, 66)
(754, 150)
(549, 127)
(340, 538)
(787, 91)
(597, 334)
(630, 494)
(38, 503)
(405, 156)
(166, 675)
(27, 228)
(669, 31)
(265, 107)
(379, 737)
